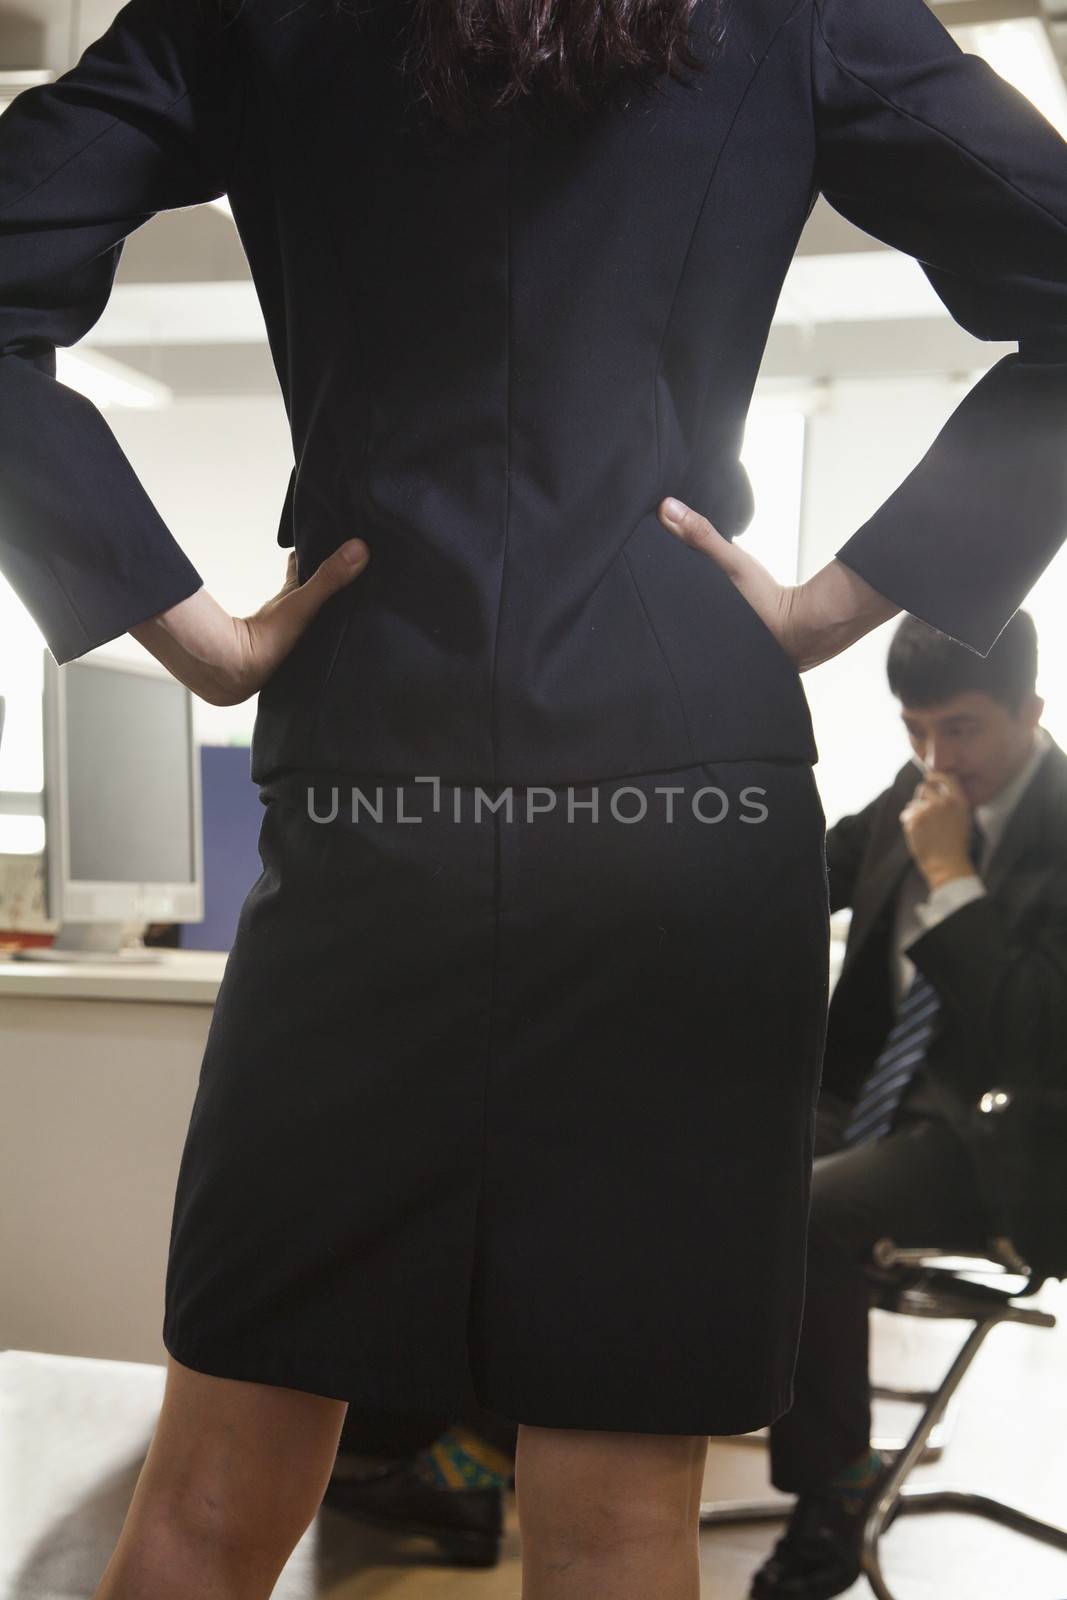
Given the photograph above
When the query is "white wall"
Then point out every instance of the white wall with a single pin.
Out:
(861, 444)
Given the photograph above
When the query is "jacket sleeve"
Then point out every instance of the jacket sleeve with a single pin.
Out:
(1005, 990)
(141, 123)
(846, 846)
(928, 149)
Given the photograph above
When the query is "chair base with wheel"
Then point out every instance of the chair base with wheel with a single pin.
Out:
(912, 1283)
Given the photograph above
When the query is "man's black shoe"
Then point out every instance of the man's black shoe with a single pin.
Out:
(466, 1524)
(818, 1555)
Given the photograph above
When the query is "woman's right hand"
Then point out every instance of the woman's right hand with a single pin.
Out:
(812, 621)
(226, 659)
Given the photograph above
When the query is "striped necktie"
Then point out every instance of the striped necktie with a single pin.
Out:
(904, 1048)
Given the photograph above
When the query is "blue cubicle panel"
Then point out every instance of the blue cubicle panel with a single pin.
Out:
(232, 813)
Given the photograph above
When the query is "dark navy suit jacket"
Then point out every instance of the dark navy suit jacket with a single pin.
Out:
(499, 353)
(999, 965)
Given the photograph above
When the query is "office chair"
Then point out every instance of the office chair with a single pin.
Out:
(912, 1283)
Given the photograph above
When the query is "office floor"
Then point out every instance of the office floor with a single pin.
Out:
(74, 1434)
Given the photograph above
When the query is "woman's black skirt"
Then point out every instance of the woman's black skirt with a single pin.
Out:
(520, 1080)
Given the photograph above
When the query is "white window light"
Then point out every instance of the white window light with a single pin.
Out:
(790, 394)
(773, 457)
(21, 767)
(21, 670)
(21, 835)
(109, 383)
(14, 79)
(1020, 50)
(1047, 604)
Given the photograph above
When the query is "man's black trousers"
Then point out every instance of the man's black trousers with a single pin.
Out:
(914, 1185)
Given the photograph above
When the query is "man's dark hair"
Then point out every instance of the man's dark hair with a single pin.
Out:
(925, 667)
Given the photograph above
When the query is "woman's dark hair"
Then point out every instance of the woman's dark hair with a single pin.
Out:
(471, 61)
(925, 667)
(473, 58)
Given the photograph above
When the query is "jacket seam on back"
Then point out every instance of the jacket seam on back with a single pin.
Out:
(902, 111)
(332, 246)
(493, 707)
(234, 152)
(663, 654)
(696, 223)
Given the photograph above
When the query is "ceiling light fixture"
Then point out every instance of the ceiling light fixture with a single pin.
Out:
(109, 383)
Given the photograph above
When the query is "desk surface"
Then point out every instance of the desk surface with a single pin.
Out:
(180, 977)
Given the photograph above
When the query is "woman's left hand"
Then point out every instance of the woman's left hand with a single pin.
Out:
(226, 659)
(812, 621)
(773, 602)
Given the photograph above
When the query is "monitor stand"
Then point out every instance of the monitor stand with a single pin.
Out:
(89, 942)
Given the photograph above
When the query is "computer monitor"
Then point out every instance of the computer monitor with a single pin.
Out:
(122, 804)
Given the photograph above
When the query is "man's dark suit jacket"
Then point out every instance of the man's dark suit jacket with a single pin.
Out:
(999, 965)
(498, 354)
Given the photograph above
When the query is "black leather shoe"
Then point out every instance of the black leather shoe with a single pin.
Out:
(466, 1524)
(818, 1556)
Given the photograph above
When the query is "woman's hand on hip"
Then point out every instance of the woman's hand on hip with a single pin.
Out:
(812, 621)
(226, 659)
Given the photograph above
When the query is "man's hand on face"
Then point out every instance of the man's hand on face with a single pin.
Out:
(937, 825)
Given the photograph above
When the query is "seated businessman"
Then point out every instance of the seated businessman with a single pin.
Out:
(954, 977)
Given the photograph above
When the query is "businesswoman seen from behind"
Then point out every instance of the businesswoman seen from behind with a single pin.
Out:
(527, 1093)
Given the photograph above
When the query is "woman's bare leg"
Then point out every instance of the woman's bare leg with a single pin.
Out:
(609, 1516)
(233, 1477)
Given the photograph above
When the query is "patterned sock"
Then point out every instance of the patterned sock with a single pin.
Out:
(459, 1459)
(852, 1483)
